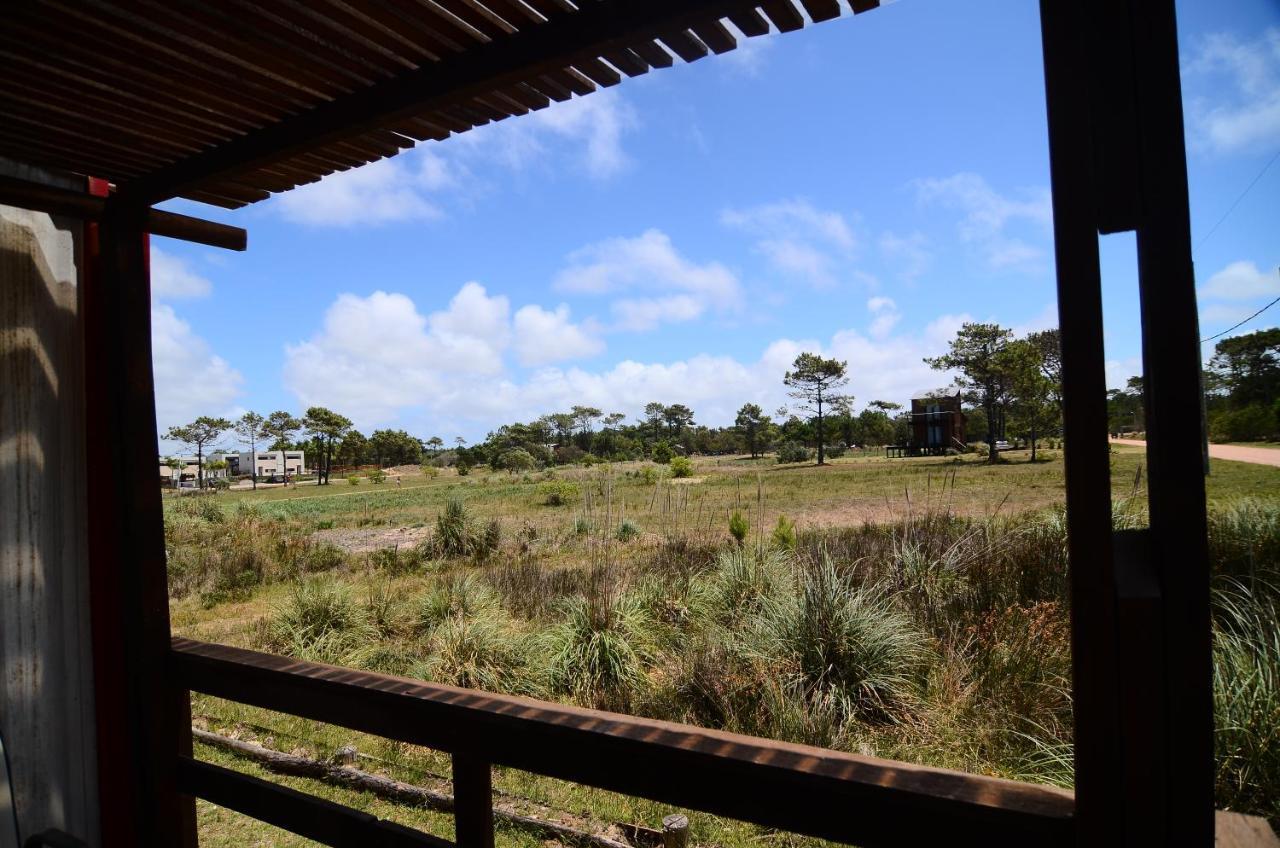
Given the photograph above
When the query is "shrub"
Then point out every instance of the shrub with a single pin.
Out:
(793, 452)
(489, 539)
(377, 475)
(598, 651)
(558, 492)
(738, 527)
(516, 459)
(463, 468)
(845, 642)
(1248, 424)
(681, 467)
(784, 534)
(219, 484)
(477, 652)
(454, 536)
(320, 621)
(662, 453)
(430, 471)
(581, 526)
(353, 479)
(452, 597)
(833, 451)
(627, 531)
(649, 475)
(742, 582)
(201, 507)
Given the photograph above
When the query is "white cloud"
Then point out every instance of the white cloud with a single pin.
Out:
(751, 54)
(1242, 109)
(376, 355)
(799, 240)
(987, 216)
(382, 361)
(382, 192)
(172, 277)
(190, 379)
(885, 316)
(1242, 280)
(593, 126)
(543, 337)
(675, 288)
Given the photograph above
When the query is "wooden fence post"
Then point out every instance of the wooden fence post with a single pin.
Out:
(675, 831)
(472, 802)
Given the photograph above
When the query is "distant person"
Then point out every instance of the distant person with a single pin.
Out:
(397, 481)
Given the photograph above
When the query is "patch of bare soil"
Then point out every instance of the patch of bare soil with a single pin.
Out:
(360, 540)
(404, 471)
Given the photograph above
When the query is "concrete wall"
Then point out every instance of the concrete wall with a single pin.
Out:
(46, 681)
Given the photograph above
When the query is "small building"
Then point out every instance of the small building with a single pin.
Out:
(191, 466)
(270, 463)
(937, 423)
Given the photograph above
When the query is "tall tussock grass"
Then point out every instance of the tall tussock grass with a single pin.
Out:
(937, 638)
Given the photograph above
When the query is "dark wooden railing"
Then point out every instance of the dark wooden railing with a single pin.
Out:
(810, 791)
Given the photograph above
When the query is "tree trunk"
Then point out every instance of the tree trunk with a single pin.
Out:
(821, 437)
(1033, 443)
(253, 462)
(199, 468)
(992, 455)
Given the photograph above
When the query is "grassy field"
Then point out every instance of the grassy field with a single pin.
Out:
(912, 609)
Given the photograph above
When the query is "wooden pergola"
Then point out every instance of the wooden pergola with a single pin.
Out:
(229, 102)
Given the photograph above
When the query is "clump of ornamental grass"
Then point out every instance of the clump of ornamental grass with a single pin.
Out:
(1244, 540)
(1246, 672)
(454, 596)
(598, 650)
(835, 639)
(321, 621)
(743, 582)
(477, 651)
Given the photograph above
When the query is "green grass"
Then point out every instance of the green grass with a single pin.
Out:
(915, 611)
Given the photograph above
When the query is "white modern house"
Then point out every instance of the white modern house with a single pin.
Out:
(268, 463)
(190, 467)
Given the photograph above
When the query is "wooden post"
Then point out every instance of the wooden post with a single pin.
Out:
(1095, 676)
(472, 802)
(675, 831)
(1171, 361)
(142, 725)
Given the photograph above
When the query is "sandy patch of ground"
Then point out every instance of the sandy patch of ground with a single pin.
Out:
(359, 540)
(686, 481)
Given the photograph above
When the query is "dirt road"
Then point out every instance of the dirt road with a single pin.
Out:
(1235, 453)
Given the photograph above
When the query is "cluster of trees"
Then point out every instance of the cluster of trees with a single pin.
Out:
(322, 434)
(1013, 384)
(1242, 388)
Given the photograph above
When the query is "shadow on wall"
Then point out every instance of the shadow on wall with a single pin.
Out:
(46, 706)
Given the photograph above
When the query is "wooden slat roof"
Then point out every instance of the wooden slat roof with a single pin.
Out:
(226, 102)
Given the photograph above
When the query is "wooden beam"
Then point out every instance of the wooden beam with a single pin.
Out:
(87, 207)
(142, 726)
(297, 812)
(1095, 674)
(506, 60)
(823, 793)
(1171, 364)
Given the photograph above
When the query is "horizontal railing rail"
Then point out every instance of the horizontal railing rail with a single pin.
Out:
(805, 790)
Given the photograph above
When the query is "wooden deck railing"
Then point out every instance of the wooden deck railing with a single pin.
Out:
(810, 791)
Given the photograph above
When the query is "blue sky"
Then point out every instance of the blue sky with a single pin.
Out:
(860, 188)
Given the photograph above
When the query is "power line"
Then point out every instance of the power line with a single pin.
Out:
(1233, 206)
(1245, 321)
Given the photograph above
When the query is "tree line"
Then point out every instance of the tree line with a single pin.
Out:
(1011, 386)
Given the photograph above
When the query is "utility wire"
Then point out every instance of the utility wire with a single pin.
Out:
(1245, 321)
(1233, 206)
